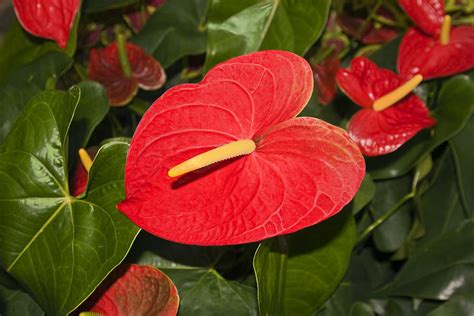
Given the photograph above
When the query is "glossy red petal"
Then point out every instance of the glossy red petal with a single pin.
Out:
(286, 75)
(51, 19)
(80, 175)
(239, 200)
(427, 14)
(365, 82)
(104, 67)
(138, 290)
(325, 79)
(422, 54)
(380, 133)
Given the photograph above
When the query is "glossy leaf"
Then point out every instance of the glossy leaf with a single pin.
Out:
(425, 55)
(203, 207)
(202, 290)
(459, 305)
(463, 154)
(60, 16)
(105, 67)
(247, 26)
(439, 268)
(58, 247)
(297, 273)
(137, 290)
(92, 6)
(24, 83)
(455, 103)
(175, 30)
(91, 110)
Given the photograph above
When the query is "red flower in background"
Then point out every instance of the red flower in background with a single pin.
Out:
(136, 19)
(51, 19)
(366, 33)
(105, 67)
(325, 79)
(378, 130)
(137, 290)
(81, 170)
(292, 173)
(434, 49)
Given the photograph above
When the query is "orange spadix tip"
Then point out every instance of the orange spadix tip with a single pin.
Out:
(85, 159)
(396, 95)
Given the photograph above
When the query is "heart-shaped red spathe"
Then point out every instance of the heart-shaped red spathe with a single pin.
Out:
(303, 170)
(104, 67)
(51, 19)
(380, 132)
(427, 14)
(423, 54)
(137, 290)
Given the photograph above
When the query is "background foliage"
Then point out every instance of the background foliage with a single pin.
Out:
(402, 247)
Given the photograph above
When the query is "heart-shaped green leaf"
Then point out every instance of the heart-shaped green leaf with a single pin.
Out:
(240, 27)
(58, 247)
(174, 31)
(298, 272)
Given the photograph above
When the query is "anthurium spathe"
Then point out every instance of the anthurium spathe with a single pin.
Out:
(434, 48)
(288, 173)
(106, 67)
(136, 290)
(51, 19)
(390, 114)
(81, 170)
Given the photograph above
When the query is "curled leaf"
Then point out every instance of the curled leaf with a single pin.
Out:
(104, 67)
(137, 290)
(51, 19)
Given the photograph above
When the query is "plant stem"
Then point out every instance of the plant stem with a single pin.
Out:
(122, 50)
(385, 216)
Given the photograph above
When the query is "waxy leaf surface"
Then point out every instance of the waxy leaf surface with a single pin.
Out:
(51, 19)
(303, 170)
(57, 247)
(137, 290)
(104, 67)
(423, 54)
(380, 132)
(427, 14)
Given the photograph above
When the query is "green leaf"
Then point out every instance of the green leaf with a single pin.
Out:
(458, 305)
(239, 27)
(91, 110)
(439, 268)
(92, 6)
(18, 48)
(455, 105)
(24, 83)
(463, 154)
(202, 290)
(389, 236)
(361, 309)
(174, 31)
(57, 246)
(16, 302)
(298, 272)
(364, 195)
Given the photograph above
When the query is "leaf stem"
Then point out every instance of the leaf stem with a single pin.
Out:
(385, 216)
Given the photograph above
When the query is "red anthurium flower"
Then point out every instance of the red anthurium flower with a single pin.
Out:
(434, 49)
(136, 19)
(138, 290)
(281, 174)
(105, 67)
(51, 19)
(325, 78)
(391, 115)
(81, 170)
